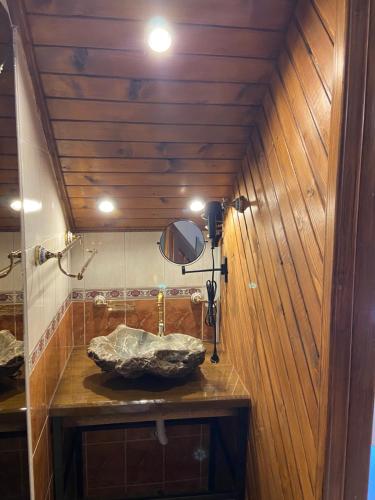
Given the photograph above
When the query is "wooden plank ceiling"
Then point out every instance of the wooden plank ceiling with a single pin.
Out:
(151, 131)
(9, 219)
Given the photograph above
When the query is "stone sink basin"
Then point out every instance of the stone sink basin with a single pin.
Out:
(11, 353)
(132, 353)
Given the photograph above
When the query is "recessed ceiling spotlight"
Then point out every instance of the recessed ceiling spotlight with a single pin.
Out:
(28, 205)
(106, 206)
(197, 205)
(159, 36)
(16, 205)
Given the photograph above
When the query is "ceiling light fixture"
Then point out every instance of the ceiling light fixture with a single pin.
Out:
(28, 205)
(159, 36)
(16, 205)
(197, 205)
(106, 206)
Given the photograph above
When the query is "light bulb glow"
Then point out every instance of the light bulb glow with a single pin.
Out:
(31, 206)
(197, 205)
(28, 205)
(16, 205)
(159, 39)
(106, 206)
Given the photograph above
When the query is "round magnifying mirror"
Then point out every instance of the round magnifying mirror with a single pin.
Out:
(182, 242)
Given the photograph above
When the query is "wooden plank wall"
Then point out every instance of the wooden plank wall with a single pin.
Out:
(272, 305)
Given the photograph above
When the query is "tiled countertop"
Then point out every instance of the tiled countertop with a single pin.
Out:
(85, 391)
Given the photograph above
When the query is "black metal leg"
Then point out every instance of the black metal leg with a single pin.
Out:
(242, 435)
(212, 456)
(58, 465)
(78, 462)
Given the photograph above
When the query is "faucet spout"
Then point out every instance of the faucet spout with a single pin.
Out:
(161, 299)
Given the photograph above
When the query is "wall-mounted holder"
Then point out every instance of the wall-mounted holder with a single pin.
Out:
(223, 270)
(42, 255)
(15, 259)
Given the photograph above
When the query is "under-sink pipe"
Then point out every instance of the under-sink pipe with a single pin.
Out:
(161, 433)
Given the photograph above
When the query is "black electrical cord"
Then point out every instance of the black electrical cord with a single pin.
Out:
(210, 319)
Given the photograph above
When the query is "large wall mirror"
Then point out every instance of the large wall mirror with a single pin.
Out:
(14, 482)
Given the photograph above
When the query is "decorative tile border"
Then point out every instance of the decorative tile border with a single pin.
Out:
(48, 333)
(132, 293)
(11, 297)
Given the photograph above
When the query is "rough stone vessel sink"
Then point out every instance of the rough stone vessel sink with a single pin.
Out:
(132, 353)
(11, 353)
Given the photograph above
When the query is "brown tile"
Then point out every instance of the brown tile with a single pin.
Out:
(101, 321)
(69, 326)
(105, 465)
(205, 453)
(181, 316)
(134, 434)
(65, 337)
(52, 366)
(141, 490)
(110, 493)
(105, 436)
(7, 321)
(208, 331)
(78, 323)
(144, 462)
(19, 326)
(183, 455)
(183, 487)
(38, 405)
(183, 430)
(144, 315)
(41, 466)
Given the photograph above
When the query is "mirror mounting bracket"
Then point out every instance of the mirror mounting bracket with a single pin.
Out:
(223, 270)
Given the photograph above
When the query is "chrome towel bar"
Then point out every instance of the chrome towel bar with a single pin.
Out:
(15, 259)
(42, 255)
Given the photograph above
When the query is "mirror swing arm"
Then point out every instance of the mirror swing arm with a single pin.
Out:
(223, 270)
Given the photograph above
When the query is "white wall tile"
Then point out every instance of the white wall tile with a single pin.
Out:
(133, 260)
(46, 286)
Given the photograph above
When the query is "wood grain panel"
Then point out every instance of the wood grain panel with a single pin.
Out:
(8, 162)
(66, 109)
(149, 191)
(214, 12)
(140, 132)
(318, 41)
(9, 189)
(327, 12)
(7, 106)
(272, 304)
(131, 35)
(8, 127)
(8, 146)
(115, 63)
(125, 179)
(133, 203)
(120, 89)
(108, 95)
(133, 213)
(134, 150)
(174, 165)
(102, 224)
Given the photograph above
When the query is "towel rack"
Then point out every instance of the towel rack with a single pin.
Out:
(15, 259)
(42, 255)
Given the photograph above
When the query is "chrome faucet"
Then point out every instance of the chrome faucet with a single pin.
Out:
(161, 328)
